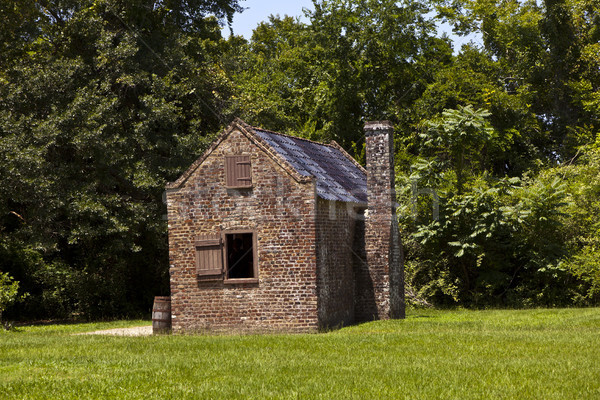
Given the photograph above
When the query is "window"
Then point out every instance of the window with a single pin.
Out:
(238, 171)
(231, 256)
(240, 252)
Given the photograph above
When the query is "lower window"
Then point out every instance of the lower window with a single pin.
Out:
(240, 255)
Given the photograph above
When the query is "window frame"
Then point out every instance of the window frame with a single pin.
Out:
(254, 278)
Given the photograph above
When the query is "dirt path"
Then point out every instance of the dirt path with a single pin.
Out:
(135, 331)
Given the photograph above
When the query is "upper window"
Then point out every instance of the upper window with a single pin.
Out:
(238, 171)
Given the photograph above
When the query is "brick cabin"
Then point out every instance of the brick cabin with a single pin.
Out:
(269, 232)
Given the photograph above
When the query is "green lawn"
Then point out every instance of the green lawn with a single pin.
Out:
(532, 354)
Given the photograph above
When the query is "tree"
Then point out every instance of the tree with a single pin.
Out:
(545, 50)
(582, 179)
(475, 79)
(354, 61)
(460, 137)
(101, 103)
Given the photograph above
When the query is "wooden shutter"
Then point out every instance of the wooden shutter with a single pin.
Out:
(209, 257)
(238, 171)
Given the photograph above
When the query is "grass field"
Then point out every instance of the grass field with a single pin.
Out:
(530, 354)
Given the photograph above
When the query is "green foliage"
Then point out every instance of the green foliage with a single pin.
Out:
(9, 292)
(500, 242)
(509, 242)
(353, 61)
(580, 219)
(515, 191)
(102, 103)
(459, 138)
(50, 286)
(545, 51)
(475, 80)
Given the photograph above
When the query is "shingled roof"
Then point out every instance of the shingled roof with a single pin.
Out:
(338, 176)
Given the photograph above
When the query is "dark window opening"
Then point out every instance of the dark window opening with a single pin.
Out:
(240, 255)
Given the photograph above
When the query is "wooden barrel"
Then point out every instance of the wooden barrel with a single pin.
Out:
(161, 315)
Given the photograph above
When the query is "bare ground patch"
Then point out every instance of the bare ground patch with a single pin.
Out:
(135, 331)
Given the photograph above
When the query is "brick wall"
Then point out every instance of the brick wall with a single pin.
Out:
(365, 307)
(335, 275)
(282, 212)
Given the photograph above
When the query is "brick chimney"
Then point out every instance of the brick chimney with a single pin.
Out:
(382, 238)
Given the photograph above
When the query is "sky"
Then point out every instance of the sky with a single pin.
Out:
(259, 10)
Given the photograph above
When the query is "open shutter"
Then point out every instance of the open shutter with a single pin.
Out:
(238, 171)
(209, 257)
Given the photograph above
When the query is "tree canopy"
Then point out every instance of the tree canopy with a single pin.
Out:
(101, 103)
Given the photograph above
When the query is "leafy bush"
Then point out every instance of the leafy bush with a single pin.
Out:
(9, 292)
(478, 240)
(581, 222)
(498, 243)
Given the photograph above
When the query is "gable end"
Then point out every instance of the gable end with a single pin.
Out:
(248, 131)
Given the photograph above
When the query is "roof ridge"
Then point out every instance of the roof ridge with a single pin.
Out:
(291, 136)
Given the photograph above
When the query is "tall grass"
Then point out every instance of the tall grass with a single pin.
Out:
(532, 354)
